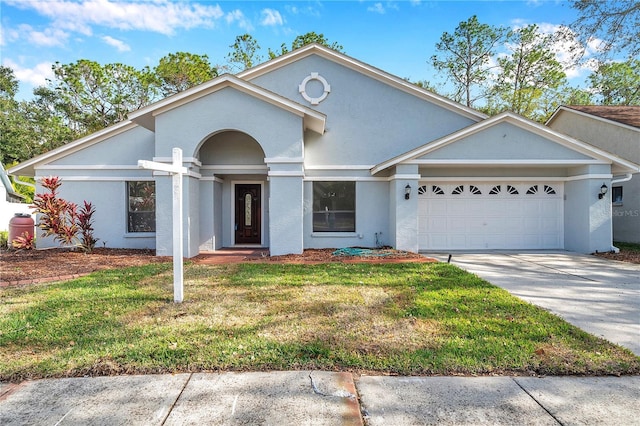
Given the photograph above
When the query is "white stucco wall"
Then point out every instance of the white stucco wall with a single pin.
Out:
(588, 225)
(367, 121)
(626, 215)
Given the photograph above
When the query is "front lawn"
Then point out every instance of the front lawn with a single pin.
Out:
(409, 318)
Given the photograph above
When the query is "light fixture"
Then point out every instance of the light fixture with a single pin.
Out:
(407, 192)
(603, 191)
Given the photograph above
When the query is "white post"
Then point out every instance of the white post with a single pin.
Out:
(177, 228)
(176, 170)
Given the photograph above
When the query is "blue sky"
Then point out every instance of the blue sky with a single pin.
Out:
(396, 36)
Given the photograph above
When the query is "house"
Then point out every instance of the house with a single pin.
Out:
(615, 129)
(11, 202)
(315, 149)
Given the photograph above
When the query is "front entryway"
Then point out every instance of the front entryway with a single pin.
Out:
(248, 213)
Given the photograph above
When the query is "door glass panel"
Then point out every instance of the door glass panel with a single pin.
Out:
(247, 210)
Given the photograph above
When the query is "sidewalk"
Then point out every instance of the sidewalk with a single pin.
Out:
(320, 398)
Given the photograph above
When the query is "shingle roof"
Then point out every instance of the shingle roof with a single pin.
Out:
(629, 115)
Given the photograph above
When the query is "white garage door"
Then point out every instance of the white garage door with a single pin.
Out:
(490, 215)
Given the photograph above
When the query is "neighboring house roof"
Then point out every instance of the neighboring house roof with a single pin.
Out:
(362, 68)
(12, 195)
(623, 114)
(145, 116)
(620, 165)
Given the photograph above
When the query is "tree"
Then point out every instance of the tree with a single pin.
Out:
(617, 83)
(527, 74)
(465, 55)
(89, 96)
(617, 23)
(303, 40)
(180, 71)
(245, 53)
(27, 128)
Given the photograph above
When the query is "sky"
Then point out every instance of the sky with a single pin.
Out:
(398, 37)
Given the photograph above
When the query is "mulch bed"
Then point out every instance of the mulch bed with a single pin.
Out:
(22, 267)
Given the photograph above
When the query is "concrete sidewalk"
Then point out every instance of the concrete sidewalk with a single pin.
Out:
(598, 295)
(320, 398)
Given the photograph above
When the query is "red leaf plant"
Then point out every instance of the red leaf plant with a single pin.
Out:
(25, 241)
(61, 219)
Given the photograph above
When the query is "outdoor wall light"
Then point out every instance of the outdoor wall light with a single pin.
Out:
(407, 192)
(603, 191)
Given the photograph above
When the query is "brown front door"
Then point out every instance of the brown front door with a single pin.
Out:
(248, 214)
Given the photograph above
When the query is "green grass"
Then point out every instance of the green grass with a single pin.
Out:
(629, 247)
(391, 318)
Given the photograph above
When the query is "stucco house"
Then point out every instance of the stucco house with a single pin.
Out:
(615, 129)
(315, 149)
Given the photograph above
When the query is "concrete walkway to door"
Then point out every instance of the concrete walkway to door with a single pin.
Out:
(598, 295)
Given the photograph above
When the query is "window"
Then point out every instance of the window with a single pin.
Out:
(437, 190)
(616, 195)
(458, 190)
(475, 190)
(141, 202)
(334, 207)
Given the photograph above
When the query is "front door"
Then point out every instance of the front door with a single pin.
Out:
(248, 227)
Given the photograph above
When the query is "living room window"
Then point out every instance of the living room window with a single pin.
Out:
(334, 206)
(141, 202)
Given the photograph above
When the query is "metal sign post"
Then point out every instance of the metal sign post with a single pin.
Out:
(176, 170)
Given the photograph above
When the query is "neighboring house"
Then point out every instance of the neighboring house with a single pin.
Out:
(315, 149)
(615, 129)
(10, 201)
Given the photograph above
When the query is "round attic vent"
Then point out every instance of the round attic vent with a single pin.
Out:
(325, 88)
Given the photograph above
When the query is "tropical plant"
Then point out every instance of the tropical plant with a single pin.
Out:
(25, 241)
(60, 219)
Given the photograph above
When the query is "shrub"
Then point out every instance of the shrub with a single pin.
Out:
(4, 239)
(25, 241)
(61, 219)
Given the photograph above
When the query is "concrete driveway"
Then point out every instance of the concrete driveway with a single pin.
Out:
(600, 296)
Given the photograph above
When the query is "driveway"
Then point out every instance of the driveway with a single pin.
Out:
(600, 296)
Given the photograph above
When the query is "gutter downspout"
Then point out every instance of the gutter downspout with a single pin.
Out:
(627, 177)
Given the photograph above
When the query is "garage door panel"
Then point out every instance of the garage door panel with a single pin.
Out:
(503, 219)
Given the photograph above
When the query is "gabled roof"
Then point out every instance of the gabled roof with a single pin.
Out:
(519, 121)
(619, 114)
(363, 68)
(312, 119)
(66, 149)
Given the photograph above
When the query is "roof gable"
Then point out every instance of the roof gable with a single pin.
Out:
(145, 117)
(619, 114)
(27, 167)
(581, 153)
(363, 68)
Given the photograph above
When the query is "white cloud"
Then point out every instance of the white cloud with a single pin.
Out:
(161, 16)
(118, 44)
(271, 17)
(36, 76)
(49, 37)
(377, 8)
(238, 16)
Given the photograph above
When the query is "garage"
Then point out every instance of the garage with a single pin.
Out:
(490, 215)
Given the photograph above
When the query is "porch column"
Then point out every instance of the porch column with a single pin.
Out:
(403, 215)
(285, 208)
